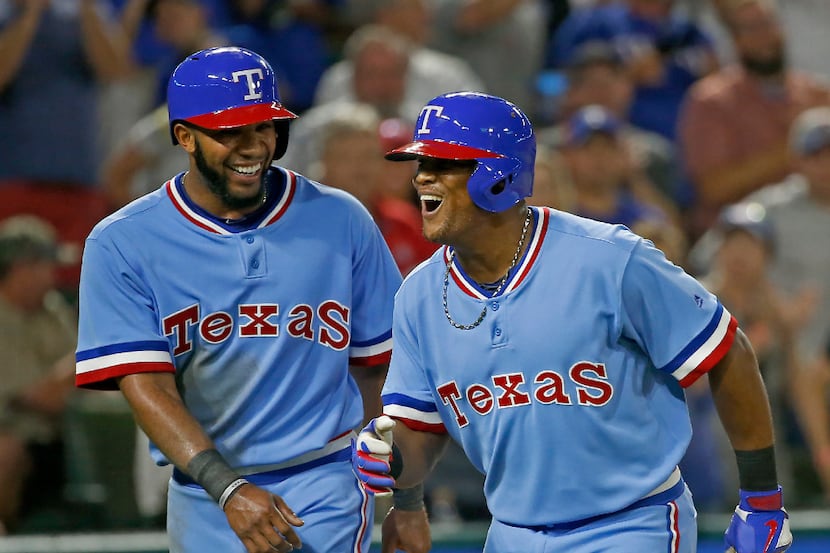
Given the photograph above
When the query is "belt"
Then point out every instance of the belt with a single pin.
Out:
(338, 449)
(670, 489)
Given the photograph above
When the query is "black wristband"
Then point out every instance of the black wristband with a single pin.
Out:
(756, 469)
(213, 473)
(408, 499)
(396, 462)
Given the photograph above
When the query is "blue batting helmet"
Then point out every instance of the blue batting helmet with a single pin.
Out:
(226, 87)
(488, 129)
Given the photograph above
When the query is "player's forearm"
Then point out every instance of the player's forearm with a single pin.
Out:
(161, 413)
(369, 381)
(419, 451)
(741, 397)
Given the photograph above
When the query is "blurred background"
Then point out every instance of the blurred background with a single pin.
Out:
(702, 125)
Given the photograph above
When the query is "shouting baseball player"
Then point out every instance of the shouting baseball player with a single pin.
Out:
(245, 313)
(555, 350)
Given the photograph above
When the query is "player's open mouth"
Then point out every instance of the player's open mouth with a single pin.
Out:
(430, 203)
(247, 170)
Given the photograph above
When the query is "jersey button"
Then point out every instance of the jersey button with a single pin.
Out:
(494, 306)
(498, 332)
(250, 239)
(255, 264)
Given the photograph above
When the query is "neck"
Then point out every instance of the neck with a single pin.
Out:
(201, 194)
(491, 254)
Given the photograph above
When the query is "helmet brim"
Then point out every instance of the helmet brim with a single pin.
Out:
(438, 149)
(241, 116)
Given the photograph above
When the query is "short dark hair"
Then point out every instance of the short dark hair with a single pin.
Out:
(25, 238)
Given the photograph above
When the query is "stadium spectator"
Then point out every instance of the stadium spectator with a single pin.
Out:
(502, 40)
(552, 186)
(734, 123)
(429, 71)
(37, 337)
(595, 74)
(292, 37)
(142, 161)
(740, 275)
(397, 177)
(183, 26)
(381, 59)
(56, 56)
(352, 160)
(799, 211)
(606, 183)
(811, 389)
(664, 52)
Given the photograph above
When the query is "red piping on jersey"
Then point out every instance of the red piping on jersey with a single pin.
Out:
(185, 214)
(714, 357)
(291, 187)
(372, 360)
(277, 212)
(421, 426)
(534, 248)
(104, 379)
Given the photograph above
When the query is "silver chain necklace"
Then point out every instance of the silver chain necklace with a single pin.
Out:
(502, 282)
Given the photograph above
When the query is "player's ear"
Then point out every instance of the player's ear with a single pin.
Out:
(186, 137)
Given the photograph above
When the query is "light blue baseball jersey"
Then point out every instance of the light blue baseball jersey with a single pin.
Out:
(259, 319)
(568, 396)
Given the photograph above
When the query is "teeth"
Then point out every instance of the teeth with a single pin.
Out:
(247, 169)
(431, 198)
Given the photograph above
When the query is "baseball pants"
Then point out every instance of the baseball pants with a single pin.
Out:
(337, 512)
(666, 525)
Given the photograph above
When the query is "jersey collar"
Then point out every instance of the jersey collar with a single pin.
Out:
(518, 273)
(281, 184)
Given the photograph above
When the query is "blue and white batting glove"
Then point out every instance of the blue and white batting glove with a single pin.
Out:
(372, 455)
(760, 524)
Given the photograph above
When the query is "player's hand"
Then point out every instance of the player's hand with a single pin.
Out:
(372, 455)
(262, 521)
(405, 531)
(760, 524)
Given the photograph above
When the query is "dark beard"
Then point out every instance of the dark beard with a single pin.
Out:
(218, 184)
(769, 67)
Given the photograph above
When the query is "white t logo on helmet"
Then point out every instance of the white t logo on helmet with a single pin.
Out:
(254, 88)
(426, 113)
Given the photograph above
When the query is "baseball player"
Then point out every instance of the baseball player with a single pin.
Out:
(245, 312)
(554, 349)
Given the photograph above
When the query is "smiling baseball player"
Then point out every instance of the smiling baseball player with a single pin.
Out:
(555, 350)
(245, 313)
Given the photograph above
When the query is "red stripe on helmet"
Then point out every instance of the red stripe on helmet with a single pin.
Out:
(241, 116)
(438, 149)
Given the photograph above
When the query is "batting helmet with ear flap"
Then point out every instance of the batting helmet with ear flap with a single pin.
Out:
(227, 87)
(488, 129)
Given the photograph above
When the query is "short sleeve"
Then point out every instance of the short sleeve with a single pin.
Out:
(376, 278)
(682, 327)
(406, 393)
(118, 329)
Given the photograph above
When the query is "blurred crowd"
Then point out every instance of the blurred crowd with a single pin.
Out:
(702, 125)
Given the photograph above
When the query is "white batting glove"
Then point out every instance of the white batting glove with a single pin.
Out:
(372, 455)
